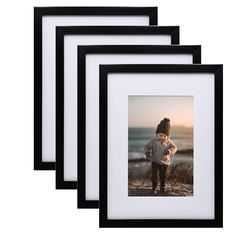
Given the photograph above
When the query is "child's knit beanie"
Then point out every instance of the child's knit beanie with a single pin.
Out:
(164, 127)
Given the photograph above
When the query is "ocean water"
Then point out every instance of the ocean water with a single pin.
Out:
(181, 136)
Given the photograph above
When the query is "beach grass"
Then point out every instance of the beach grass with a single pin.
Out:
(179, 178)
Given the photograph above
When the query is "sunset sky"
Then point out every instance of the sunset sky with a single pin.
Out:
(147, 111)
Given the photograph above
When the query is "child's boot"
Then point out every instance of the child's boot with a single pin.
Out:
(154, 191)
(154, 187)
(162, 188)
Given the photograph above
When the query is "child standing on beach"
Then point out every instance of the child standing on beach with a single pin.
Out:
(159, 150)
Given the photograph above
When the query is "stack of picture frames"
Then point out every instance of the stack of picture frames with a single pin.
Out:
(128, 117)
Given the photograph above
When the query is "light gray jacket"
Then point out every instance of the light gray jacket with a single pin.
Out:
(155, 149)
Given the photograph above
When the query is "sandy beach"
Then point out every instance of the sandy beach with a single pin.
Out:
(144, 188)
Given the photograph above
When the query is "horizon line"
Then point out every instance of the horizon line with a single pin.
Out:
(172, 126)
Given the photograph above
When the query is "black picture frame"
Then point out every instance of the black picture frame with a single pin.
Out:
(83, 51)
(39, 13)
(173, 31)
(217, 71)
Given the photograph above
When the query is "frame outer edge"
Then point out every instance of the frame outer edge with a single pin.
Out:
(103, 85)
(187, 223)
(38, 13)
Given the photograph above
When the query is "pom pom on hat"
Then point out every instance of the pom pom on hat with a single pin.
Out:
(166, 120)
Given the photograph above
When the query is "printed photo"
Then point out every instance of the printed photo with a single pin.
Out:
(160, 146)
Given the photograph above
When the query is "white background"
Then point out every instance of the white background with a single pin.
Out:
(29, 203)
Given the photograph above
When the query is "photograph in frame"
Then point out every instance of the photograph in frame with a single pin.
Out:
(160, 140)
(89, 59)
(67, 40)
(46, 19)
(204, 83)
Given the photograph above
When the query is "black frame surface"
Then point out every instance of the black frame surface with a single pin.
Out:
(173, 31)
(39, 12)
(83, 51)
(217, 70)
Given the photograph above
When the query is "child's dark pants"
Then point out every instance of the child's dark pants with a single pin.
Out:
(162, 174)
